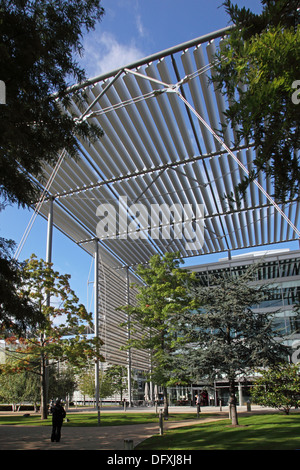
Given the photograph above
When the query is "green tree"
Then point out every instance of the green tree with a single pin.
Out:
(86, 384)
(39, 41)
(258, 64)
(226, 337)
(163, 296)
(62, 381)
(17, 312)
(278, 387)
(118, 377)
(19, 387)
(62, 338)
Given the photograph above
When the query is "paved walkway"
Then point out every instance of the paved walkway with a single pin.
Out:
(15, 437)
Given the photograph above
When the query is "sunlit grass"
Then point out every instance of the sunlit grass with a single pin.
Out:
(256, 432)
(91, 419)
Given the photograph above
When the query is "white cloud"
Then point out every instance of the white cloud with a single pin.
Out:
(103, 54)
(140, 26)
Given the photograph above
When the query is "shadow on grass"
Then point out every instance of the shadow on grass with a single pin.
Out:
(264, 432)
(91, 419)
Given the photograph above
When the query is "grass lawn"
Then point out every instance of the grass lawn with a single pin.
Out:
(256, 432)
(90, 419)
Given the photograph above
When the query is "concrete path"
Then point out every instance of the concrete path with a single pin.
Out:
(15, 437)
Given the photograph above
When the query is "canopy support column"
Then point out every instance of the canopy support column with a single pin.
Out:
(96, 323)
(128, 337)
(44, 361)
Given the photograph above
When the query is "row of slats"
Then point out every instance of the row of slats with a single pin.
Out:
(144, 136)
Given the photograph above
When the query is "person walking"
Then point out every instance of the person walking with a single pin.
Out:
(58, 415)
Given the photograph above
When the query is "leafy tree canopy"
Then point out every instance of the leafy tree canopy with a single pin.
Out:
(118, 376)
(229, 336)
(162, 298)
(86, 383)
(38, 42)
(18, 312)
(278, 387)
(226, 337)
(259, 63)
(62, 337)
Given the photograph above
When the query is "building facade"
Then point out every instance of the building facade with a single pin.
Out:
(280, 270)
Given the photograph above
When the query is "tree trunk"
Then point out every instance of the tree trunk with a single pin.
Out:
(166, 406)
(232, 403)
(44, 394)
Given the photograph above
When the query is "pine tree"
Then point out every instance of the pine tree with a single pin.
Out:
(258, 70)
(227, 337)
(39, 41)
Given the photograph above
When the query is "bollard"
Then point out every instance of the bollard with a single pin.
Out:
(161, 423)
(220, 405)
(128, 444)
(248, 406)
(2, 92)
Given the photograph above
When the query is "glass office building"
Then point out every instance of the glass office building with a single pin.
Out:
(280, 270)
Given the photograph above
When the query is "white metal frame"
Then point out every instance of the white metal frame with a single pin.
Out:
(160, 118)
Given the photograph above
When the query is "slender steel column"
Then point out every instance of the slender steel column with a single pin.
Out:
(44, 364)
(49, 232)
(128, 337)
(96, 323)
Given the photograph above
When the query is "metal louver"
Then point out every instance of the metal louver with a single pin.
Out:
(156, 150)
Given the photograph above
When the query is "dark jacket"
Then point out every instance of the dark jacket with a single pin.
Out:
(58, 414)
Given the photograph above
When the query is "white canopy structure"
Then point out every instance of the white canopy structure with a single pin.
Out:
(159, 117)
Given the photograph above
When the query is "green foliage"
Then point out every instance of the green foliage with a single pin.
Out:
(163, 297)
(62, 336)
(38, 42)
(86, 383)
(160, 300)
(118, 377)
(17, 312)
(278, 387)
(62, 381)
(229, 337)
(20, 387)
(259, 62)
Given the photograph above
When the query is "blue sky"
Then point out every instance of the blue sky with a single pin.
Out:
(130, 30)
(133, 29)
